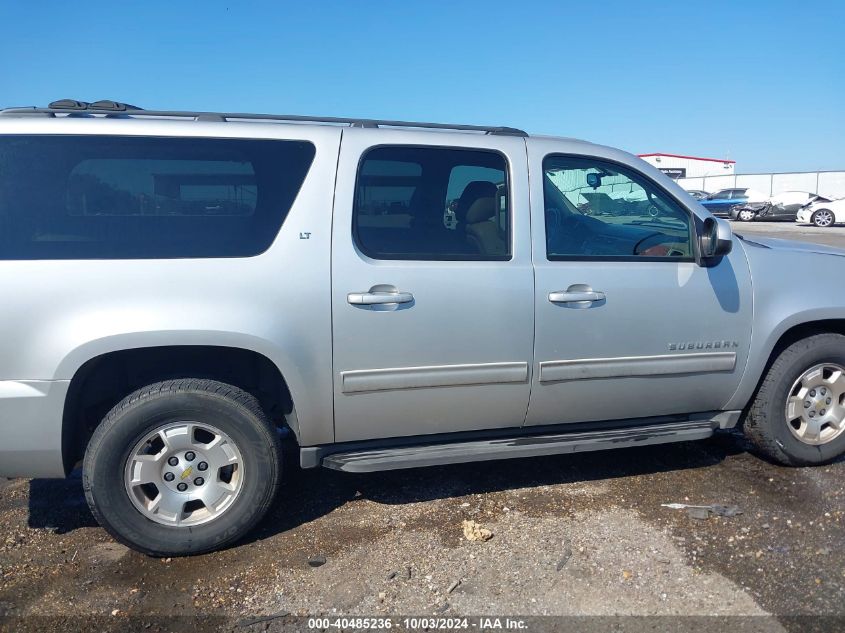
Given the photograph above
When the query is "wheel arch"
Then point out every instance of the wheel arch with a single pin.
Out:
(786, 336)
(101, 381)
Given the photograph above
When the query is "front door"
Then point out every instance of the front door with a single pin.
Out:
(628, 324)
(432, 284)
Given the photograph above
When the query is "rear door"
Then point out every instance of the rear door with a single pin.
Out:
(432, 284)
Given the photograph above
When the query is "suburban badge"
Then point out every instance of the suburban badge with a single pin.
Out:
(703, 345)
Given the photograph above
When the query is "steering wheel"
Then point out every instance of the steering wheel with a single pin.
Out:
(653, 245)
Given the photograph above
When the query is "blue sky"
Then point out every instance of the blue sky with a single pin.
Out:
(762, 83)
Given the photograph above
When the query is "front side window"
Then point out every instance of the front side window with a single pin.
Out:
(112, 197)
(429, 203)
(600, 210)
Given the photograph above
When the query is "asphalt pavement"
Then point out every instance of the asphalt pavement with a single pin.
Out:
(832, 236)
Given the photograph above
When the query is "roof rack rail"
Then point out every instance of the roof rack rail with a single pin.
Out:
(70, 106)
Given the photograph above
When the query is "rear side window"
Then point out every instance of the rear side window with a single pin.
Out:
(428, 203)
(107, 197)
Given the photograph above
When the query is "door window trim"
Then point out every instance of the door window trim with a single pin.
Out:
(434, 257)
(694, 223)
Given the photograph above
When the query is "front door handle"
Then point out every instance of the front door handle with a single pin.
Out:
(577, 296)
(378, 298)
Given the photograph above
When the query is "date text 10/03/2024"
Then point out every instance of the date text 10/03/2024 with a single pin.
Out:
(422, 623)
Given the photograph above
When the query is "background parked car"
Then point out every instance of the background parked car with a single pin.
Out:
(823, 213)
(698, 194)
(720, 203)
(779, 208)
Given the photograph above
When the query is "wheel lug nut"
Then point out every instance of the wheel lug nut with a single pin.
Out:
(173, 461)
(827, 401)
(202, 466)
(807, 404)
(822, 411)
(182, 487)
(812, 393)
(189, 456)
(823, 391)
(169, 476)
(199, 481)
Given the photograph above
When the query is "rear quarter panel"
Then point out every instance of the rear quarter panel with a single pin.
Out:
(56, 315)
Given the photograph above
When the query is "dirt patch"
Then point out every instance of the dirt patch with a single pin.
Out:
(579, 534)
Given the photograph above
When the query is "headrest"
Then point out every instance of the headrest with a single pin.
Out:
(481, 210)
(472, 192)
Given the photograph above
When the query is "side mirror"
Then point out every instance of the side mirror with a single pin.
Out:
(716, 239)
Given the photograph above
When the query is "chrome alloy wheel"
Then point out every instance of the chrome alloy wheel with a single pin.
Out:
(815, 407)
(822, 217)
(745, 215)
(184, 474)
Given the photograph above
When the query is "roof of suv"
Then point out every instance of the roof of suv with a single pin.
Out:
(121, 113)
(114, 109)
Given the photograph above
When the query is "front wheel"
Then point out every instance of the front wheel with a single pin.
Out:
(182, 467)
(797, 417)
(745, 215)
(822, 218)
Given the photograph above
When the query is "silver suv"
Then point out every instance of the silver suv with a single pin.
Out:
(183, 290)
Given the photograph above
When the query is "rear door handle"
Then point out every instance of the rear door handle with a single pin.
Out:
(567, 296)
(378, 298)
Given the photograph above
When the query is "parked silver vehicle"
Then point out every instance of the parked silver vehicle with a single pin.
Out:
(182, 291)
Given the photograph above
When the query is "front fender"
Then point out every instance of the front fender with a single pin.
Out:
(791, 288)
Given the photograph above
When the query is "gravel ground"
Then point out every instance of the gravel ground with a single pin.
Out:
(581, 534)
(578, 534)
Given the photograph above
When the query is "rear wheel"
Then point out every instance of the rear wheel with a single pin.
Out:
(822, 218)
(798, 415)
(182, 467)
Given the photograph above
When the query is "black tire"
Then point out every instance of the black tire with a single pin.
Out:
(766, 425)
(233, 411)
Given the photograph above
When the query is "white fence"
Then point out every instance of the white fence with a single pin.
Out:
(830, 184)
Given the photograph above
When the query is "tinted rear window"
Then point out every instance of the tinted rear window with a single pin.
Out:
(107, 197)
(432, 203)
